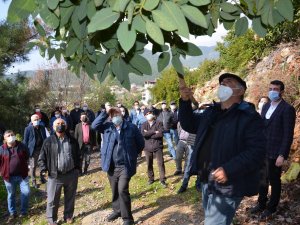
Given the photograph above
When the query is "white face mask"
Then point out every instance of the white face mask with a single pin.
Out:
(64, 111)
(150, 117)
(37, 110)
(84, 108)
(11, 139)
(173, 107)
(57, 115)
(163, 106)
(224, 93)
(77, 106)
(123, 113)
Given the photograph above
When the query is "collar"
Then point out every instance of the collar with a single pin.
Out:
(275, 104)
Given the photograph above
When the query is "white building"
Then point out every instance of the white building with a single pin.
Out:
(146, 93)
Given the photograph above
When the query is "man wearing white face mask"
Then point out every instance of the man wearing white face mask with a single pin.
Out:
(279, 118)
(14, 171)
(229, 148)
(122, 142)
(90, 114)
(34, 136)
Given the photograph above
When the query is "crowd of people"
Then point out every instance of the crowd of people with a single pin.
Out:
(234, 149)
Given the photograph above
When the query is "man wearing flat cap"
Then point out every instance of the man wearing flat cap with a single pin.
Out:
(122, 142)
(229, 148)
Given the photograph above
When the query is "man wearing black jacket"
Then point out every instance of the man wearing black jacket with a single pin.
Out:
(229, 148)
(60, 157)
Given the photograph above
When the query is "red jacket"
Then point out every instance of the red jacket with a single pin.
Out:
(4, 160)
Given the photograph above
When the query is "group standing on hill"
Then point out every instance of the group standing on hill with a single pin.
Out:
(233, 150)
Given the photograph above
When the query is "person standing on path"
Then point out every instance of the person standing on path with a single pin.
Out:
(229, 148)
(122, 142)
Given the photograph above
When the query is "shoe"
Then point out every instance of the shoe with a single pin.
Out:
(128, 223)
(150, 182)
(177, 173)
(266, 214)
(11, 218)
(113, 216)
(257, 209)
(69, 220)
(163, 183)
(181, 190)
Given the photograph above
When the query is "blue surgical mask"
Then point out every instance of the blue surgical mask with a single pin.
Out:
(36, 123)
(274, 96)
(117, 120)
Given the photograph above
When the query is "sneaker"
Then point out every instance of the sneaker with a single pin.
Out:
(181, 190)
(113, 216)
(266, 215)
(177, 173)
(11, 218)
(257, 209)
(163, 183)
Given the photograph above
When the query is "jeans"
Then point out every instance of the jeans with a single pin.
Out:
(218, 209)
(186, 176)
(11, 187)
(171, 149)
(174, 135)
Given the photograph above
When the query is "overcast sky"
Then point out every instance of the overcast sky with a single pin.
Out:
(36, 61)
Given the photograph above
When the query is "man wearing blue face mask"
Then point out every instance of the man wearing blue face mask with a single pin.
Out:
(279, 118)
(34, 136)
(229, 148)
(122, 142)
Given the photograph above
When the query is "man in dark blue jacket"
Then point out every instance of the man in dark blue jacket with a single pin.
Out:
(229, 148)
(34, 136)
(122, 142)
(279, 118)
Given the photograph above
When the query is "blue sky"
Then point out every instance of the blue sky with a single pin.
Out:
(36, 61)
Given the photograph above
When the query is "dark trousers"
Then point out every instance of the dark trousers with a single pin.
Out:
(160, 163)
(86, 156)
(67, 181)
(272, 177)
(119, 184)
(33, 164)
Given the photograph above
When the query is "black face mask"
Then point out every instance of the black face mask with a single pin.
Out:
(84, 120)
(61, 128)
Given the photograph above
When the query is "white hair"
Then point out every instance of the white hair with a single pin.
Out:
(34, 116)
(58, 120)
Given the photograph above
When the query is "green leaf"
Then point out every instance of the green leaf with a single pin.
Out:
(150, 4)
(102, 61)
(52, 4)
(57, 55)
(154, 32)
(194, 15)
(227, 16)
(265, 13)
(199, 2)
(79, 28)
(81, 12)
(228, 7)
(123, 5)
(103, 74)
(163, 61)
(49, 17)
(120, 70)
(130, 9)
(91, 9)
(126, 36)
(258, 27)
(39, 28)
(228, 24)
(277, 17)
(241, 26)
(177, 64)
(285, 8)
(65, 15)
(163, 21)
(141, 64)
(72, 46)
(191, 49)
(98, 2)
(102, 19)
(139, 24)
(175, 14)
(51, 52)
(20, 9)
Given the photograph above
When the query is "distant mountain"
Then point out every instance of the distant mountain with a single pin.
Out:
(190, 62)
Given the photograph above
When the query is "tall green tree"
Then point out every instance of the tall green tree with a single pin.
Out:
(108, 36)
(13, 41)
